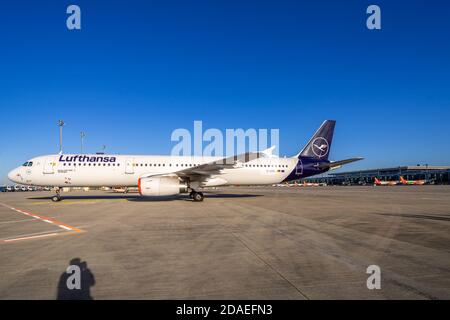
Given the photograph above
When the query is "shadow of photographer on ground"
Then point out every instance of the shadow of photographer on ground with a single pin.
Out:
(75, 283)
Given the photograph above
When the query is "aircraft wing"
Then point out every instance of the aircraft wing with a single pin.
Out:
(217, 166)
(206, 170)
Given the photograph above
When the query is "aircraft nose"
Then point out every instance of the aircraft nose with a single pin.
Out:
(12, 175)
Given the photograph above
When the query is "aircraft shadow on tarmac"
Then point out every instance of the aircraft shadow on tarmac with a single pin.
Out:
(75, 282)
(138, 198)
(87, 197)
(418, 216)
(186, 198)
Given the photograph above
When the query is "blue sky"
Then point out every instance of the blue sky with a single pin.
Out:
(140, 69)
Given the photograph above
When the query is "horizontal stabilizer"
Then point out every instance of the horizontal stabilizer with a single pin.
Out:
(342, 162)
(335, 164)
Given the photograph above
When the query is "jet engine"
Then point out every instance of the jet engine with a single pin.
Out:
(160, 186)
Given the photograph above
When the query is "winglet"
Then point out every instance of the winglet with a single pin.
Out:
(269, 152)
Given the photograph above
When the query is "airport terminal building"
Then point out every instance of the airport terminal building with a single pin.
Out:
(434, 174)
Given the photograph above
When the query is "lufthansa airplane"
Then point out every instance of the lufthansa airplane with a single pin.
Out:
(172, 175)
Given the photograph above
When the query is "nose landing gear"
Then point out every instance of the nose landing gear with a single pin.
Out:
(57, 197)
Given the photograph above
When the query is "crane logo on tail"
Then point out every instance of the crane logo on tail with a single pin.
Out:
(320, 147)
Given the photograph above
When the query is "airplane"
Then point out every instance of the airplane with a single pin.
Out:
(412, 182)
(173, 175)
(385, 183)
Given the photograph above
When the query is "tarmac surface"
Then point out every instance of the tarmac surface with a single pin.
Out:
(240, 243)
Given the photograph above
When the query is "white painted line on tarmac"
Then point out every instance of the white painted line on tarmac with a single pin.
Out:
(43, 219)
(31, 237)
(16, 221)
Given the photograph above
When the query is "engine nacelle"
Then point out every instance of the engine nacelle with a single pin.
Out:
(160, 186)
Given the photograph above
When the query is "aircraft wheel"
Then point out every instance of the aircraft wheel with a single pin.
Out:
(198, 196)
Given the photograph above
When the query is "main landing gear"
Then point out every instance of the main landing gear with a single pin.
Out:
(57, 197)
(196, 196)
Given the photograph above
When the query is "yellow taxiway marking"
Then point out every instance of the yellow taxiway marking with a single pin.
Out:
(81, 201)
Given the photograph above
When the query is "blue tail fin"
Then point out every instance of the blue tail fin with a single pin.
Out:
(319, 145)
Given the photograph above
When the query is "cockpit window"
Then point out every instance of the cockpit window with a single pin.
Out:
(25, 164)
(30, 164)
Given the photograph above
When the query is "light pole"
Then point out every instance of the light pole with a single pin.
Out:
(82, 135)
(61, 124)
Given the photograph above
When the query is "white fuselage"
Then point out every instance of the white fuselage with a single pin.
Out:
(95, 170)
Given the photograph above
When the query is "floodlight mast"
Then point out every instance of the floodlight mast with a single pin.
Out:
(61, 124)
(82, 136)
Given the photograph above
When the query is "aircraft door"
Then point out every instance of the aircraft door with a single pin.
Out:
(299, 168)
(129, 166)
(49, 166)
